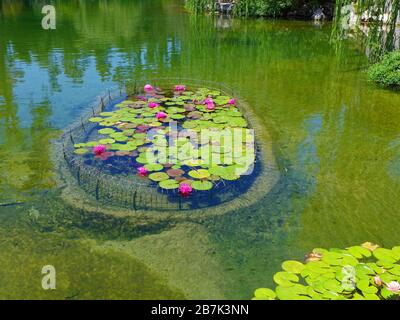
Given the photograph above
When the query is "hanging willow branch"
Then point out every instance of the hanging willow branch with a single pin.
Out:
(377, 33)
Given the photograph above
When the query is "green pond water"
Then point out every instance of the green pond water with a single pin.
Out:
(335, 137)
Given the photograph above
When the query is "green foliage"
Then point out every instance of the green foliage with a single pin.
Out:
(387, 71)
(364, 272)
(267, 8)
(208, 153)
(255, 8)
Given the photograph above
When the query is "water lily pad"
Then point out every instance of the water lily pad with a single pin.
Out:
(92, 144)
(154, 167)
(385, 255)
(106, 141)
(96, 119)
(359, 252)
(293, 266)
(202, 185)
(264, 294)
(158, 176)
(106, 131)
(175, 172)
(177, 116)
(199, 174)
(81, 151)
(169, 184)
(285, 278)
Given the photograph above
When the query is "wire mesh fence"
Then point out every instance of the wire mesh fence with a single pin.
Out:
(130, 191)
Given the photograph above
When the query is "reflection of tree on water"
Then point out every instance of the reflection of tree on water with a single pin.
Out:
(373, 22)
(86, 28)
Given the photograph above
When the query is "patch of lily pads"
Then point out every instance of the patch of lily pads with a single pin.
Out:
(148, 129)
(365, 272)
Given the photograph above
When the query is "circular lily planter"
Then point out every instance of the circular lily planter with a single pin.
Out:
(166, 150)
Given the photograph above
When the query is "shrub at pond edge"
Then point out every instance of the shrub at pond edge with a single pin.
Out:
(387, 71)
(365, 272)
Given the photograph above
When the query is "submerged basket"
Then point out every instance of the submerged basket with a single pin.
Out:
(96, 188)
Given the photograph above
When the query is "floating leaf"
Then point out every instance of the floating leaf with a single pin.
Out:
(81, 151)
(199, 174)
(285, 278)
(293, 266)
(158, 176)
(154, 167)
(96, 119)
(359, 252)
(106, 131)
(202, 185)
(265, 294)
(169, 184)
(175, 172)
(106, 141)
(385, 255)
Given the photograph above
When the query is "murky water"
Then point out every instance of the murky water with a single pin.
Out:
(335, 135)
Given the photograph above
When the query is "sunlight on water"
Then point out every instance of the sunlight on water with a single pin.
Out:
(335, 137)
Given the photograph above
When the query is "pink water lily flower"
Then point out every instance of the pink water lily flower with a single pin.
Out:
(210, 106)
(153, 105)
(180, 88)
(185, 189)
(142, 171)
(208, 100)
(232, 102)
(99, 150)
(148, 88)
(378, 281)
(161, 115)
(393, 286)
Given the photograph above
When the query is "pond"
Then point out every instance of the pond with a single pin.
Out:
(334, 135)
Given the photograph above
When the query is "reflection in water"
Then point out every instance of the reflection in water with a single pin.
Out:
(374, 24)
(332, 131)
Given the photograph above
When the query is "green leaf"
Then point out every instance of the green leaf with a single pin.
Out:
(106, 131)
(265, 294)
(199, 174)
(359, 252)
(106, 141)
(154, 167)
(202, 185)
(158, 176)
(333, 285)
(96, 119)
(293, 266)
(81, 151)
(294, 292)
(385, 255)
(285, 278)
(169, 184)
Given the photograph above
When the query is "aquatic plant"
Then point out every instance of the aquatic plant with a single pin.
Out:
(185, 189)
(387, 71)
(393, 286)
(161, 115)
(365, 272)
(180, 88)
(142, 171)
(153, 105)
(232, 102)
(148, 88)
(179, 139)
(269, 8)
(99, 150)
